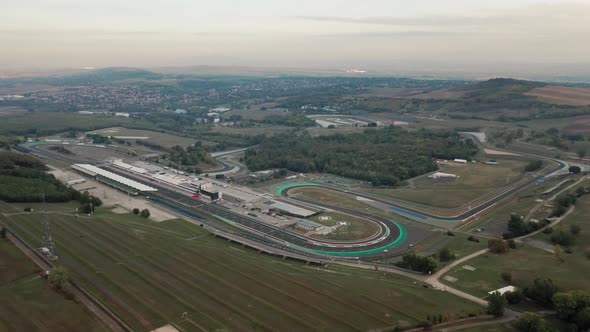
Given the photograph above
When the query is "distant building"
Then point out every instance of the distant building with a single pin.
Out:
(180, 111)
(289, 209)
(460, 161)
(126, 115)
(491, 162)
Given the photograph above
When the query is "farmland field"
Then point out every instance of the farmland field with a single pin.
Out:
(30, 304)
(151, 273)
(562, 95)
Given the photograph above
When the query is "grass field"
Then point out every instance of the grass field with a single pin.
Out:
(163, 139)
(264, 129)
(475, 180)
(29, 304)
(333, 198)
(357, 228)
(44, 123)
(525, 264)
(151, 273)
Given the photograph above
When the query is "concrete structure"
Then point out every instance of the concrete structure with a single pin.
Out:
(308, 225)
(289, 209)
(441, 175)
(503, 290)
(112, 179)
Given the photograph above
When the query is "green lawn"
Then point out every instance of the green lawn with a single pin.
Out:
(150, 273)
(525, 264)
(29, 304)
(357, 228)
(475, 180)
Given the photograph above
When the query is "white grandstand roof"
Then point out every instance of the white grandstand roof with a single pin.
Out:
(115, 177)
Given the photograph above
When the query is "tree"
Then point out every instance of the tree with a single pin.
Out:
(445, 255)
(59, 277)
(581, 151)
(3, 233)
(496, 304)
(575, 169)
(568, 304)
(145, 213)
(136, 211)
(531, 322)
(582, 319)
(498, 246)
(506, 276)
(512, 244)
(541, 291)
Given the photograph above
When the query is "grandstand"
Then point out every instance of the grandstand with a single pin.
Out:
(114, 180)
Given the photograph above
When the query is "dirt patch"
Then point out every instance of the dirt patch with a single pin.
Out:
(498, 152)
(562, 95)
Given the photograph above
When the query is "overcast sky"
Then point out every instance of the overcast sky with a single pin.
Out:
(369, 34)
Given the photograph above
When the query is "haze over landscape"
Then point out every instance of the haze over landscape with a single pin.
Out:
(462, 39)
(283, 165)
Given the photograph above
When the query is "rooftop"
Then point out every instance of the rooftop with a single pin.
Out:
(292, 209)
(93, 170)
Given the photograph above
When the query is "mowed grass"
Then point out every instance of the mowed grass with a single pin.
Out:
(263, 129)
(150, 273)
(525, 264)
(357, 228)
(333, 198)
(29, 304)
(475, 180)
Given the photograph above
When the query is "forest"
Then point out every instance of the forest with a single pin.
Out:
(23, 179)
(382, 157)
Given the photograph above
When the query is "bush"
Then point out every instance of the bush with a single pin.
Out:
(58, 278)
(506, 276)
(473, 239)
(136, 211)
(533, 166)
(548, 230)
(3, 232)
(145, 213)
(562, 238)
(514, 297)
(530, 322)
(449, 233)
(418, 263)
(575, 229)
(512, 244)
(445, 255)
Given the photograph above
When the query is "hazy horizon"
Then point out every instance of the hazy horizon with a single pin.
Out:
(528, 38)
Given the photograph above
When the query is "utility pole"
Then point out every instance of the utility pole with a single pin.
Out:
(47, 238)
